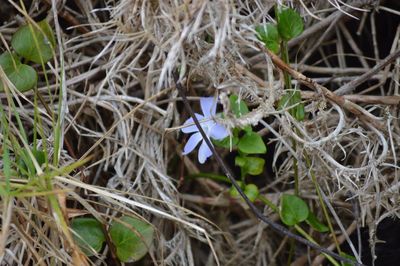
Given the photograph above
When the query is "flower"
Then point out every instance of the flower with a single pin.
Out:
(210, 127)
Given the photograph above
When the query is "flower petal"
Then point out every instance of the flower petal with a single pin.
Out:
(208, 106)
(204, 152)
(192, 143)
(218, 132)
(190, 126)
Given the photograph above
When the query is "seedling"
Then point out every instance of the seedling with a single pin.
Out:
(30, 44)
(131, 237)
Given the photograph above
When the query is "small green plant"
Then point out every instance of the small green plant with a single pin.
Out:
(23, 77)
(276, 37)
(248, 144)
(24, 140)
(289, 25)
(293, 210)
(89, 235)
(131, 237)
(30, 43)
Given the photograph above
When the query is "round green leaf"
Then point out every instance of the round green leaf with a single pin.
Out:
(313, 221)
(293, 209)
(131, 239)
(252, 143)
(268, 34)
(89, 235)
(23, 77)
(255, 165)
(33, 44)
(251, 192)
(233, 191)
(9, 62)
(290, 24)
(250, 165)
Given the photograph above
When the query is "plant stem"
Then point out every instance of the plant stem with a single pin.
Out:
(268, 203)
(295, 169)
(210, 176)
(309, 238)
(288, 86)
(285, 58)
(324, 210)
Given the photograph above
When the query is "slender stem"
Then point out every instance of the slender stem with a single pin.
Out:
(268, 203)
(288, 86)
(295, 169)
(210, 176)
(309, 238)
(285, 58)
(324, 210)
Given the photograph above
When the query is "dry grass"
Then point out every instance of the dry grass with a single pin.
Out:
(120, 106)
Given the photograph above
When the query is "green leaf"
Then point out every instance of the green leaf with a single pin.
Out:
(313, 221)
(250, 165)
(293, 210)
(268, 34)
(226, 142)
(131, 239)
(33, 44)
(290, 24)
(90, 235)
(238, 107)
(23, 77)
(252, 143)
(233, 191)
(251, 192)
(9, 62)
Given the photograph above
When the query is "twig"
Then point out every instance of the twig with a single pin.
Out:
(275, 226)
(354, 83)
(363, 115)
(355, 98)
(353, 45)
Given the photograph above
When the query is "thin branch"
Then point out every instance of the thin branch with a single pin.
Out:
(355, 109)
(364, 77)
(355, 98)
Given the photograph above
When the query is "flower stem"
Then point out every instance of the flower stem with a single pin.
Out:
(324, 210)
(288, 86)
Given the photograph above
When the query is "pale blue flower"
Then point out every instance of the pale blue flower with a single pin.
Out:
(210, 127)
